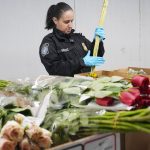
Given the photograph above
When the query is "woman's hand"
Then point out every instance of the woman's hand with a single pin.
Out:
(99, 31)
(92, 60)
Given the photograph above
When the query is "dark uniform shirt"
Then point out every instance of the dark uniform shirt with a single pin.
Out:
(62, 54)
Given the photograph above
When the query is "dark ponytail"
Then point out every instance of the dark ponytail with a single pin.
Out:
(55, 11)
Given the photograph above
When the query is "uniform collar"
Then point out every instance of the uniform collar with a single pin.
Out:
(61, 35)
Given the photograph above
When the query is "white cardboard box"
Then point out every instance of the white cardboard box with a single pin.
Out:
(109, 141)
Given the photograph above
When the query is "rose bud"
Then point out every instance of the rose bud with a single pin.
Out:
(129, 98)
(106, 101)
(144, 90)
(6, 144)
(45, 140)
(24, 144)
(140, 81)
(149, 89)
(12, 131)
(134, 91)
(145, 102)
(35, 146)
(34, 132)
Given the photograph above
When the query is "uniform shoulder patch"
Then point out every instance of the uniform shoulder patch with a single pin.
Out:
(44, 49)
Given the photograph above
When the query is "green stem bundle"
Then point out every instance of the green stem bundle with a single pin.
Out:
(83, 122)
(123, 121)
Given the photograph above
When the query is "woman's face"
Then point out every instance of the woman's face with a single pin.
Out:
(65, 22)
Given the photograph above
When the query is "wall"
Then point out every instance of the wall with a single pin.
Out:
(22, 29)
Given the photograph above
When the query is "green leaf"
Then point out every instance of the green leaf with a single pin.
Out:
(84, 120)
(65, 115)
(97, 86)
(101, 94)
(84, 99)
(113, 89)
(89, 93)
(104, 79)
(73, 116)
(116, 78)
(86, 83)
(72, 90)
(110, 84)
(20, 110)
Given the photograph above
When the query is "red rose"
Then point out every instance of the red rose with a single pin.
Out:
(106, 101)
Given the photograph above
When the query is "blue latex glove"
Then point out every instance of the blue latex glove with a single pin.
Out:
(99, 31)
(92, 60)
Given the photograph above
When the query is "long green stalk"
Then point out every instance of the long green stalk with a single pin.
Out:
(81, 123)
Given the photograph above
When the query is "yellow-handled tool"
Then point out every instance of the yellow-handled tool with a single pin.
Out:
(101, 23)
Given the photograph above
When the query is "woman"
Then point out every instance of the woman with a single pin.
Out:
(63, 52)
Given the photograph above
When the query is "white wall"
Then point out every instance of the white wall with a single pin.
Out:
(22, 29)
